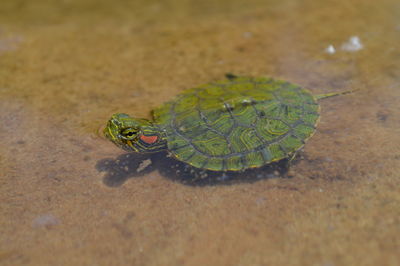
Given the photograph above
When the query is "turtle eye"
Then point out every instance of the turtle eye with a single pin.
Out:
(129, 133)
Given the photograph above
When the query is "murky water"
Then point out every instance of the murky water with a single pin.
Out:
(70, 197)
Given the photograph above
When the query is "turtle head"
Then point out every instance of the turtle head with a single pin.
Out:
(132, 134)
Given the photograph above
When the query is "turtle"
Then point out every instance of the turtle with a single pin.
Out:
(234, 124)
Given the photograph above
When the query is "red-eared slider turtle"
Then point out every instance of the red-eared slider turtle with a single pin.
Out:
(228, 125)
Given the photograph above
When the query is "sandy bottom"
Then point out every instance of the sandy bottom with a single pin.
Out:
(69, 197)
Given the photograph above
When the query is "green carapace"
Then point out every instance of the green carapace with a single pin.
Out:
(229, 125)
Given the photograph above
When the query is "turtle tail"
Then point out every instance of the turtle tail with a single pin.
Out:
(333, 94)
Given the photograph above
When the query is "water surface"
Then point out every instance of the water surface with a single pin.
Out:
(70, 197)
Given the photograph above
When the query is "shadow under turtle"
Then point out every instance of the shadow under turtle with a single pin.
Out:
(134, 165)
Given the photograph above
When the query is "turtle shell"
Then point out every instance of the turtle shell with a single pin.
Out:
(238, 123)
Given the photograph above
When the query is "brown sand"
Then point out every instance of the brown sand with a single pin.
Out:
(66, 66)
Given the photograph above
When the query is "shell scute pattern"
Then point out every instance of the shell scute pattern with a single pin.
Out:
(238, 124)
(223, 124)
(211, 143)
(244, 139)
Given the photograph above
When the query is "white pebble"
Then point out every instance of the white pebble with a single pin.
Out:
(143, 165)
(352, 45)
(330, 49)
(45, 220)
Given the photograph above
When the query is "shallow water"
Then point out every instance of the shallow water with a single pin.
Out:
(70, 197)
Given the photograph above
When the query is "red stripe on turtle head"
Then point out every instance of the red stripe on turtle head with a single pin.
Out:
(149, 139)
